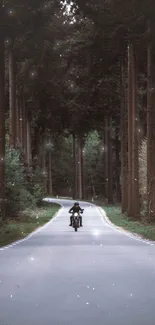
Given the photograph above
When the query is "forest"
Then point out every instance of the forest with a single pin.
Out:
(77, 104)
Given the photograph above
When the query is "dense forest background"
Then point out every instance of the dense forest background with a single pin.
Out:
(77, 103)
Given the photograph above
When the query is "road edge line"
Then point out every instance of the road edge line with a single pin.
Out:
(14, 243)
(122, 230)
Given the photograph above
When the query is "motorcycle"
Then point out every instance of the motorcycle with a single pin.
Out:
(76, 220)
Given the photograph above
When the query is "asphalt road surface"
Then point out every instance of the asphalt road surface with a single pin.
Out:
(97, 276)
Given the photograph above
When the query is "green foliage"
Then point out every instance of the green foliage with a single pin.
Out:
(70, 74)
(20, 192)
(62, 164)
(35, 184)
(93, 154)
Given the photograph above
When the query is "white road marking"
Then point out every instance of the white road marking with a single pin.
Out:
(57, 214)
(105, 219)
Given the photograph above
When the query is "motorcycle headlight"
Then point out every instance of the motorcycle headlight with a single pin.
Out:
(76, 214)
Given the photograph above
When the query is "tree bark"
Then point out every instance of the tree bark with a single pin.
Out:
(135, 158)
(24, 132)
(12, 99)
(17, 123)
(124, 142)
(20, 123)
(150, 132)
(79, 169)
(29, 152)
(130, 132)
(117, 161)
(44, 166)
(106, 155)
(75, 167)
(50, 173)
(110, 157)
(2, 128)
(82, 166)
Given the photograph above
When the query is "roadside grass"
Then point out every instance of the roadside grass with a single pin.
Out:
(139, 227)
(28, 221)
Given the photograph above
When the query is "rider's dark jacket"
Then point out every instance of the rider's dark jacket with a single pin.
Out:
(75, 209)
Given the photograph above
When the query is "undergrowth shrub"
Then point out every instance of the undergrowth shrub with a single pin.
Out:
(24, 188)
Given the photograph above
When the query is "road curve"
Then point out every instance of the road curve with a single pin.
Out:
(97, 276)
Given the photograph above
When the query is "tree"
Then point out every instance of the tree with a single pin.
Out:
(2, 127)
(150, 130)
(124, 139)
(135, 158)
(12, 97)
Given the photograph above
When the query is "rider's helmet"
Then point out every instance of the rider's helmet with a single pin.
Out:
(76, 203)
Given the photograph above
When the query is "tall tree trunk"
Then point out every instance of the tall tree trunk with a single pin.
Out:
(29, 152)
(79, 169)
(2, 128)
(82, 166)
(106, 155)
(151, 132)
(41, 147)
(110, 156)
(124, 141)
(50, 173)
(130, 132)
(12, 99)
(117, 160)
(24, 132)
(135, 158)
(21, 123)
(17, 123)
(75, 167)
(44, 166)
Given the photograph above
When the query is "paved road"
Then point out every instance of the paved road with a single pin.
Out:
(97, 276)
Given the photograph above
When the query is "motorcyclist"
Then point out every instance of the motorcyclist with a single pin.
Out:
(76, 208)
